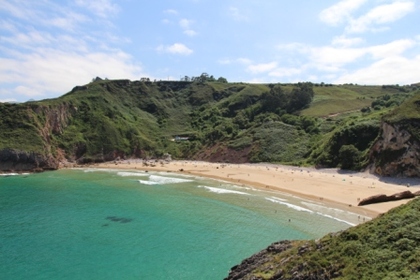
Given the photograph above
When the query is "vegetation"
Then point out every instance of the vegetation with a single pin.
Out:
(387, 247)
(300, 124)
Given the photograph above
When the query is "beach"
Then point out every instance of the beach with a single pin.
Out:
(335, 187)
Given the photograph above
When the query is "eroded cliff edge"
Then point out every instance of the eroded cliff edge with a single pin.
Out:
(384, 248)
(14, 160)
(397, 151)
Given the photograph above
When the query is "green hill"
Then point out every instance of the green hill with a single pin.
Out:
(300, 124)
(387, 247)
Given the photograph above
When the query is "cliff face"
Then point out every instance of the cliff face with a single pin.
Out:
(396, 152)
(14, 160)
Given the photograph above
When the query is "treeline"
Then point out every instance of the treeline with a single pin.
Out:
(204, 77)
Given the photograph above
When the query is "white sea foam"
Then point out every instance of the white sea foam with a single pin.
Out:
(278, 198)
(167, 180)
(332, 212)
(335, 218)
(222, 191)
(131, 174)
(13, 174)
(163, 173)
(290, 205)
(240, 187)
(87, 170)
(323, 208)
(148, 182)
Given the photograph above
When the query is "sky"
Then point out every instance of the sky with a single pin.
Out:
(49, 46)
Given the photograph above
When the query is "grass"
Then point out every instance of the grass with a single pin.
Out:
(339, 99)
(124, 117)
(387, 247)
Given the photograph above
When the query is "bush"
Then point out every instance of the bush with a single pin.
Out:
(349, 157)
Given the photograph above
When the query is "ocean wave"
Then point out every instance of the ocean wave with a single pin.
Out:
(87, 170)
(178, 175)
(13, 174)
(222, 191)
(131, 174)
(148, 182)
(335, 218)
(323, 208)
(332, 213)
(241, 187)
(290, 205)
(277, 198)
(167, 180)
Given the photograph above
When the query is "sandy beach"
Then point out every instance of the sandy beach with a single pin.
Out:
(331, 186)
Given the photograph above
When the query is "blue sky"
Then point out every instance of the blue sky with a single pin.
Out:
(47, 47)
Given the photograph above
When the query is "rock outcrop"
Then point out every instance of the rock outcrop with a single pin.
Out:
(14, 161)
(385, 198)
(261, 265)
(256, 261)
(395, 153)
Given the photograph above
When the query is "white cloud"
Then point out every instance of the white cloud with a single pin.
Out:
(64, 70)
(285, 72)
(176, 48)
(171, 11)
(335, 57)
(241, 60)
(7, 100)
(237, 15)
(399, 68)
(340, 12)
(263, 67)
(391, 49)
(69, 22)
(344, 41)
(345, 61)
(50, 50)
(190, 33)
(7, 26)
(102, 8)
(185, 23)
(380, 15)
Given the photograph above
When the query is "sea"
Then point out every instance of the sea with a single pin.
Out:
(130, 224)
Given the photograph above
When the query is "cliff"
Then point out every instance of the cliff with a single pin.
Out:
(14, 160)
(396, 152)
(384, 248)
(228, 122)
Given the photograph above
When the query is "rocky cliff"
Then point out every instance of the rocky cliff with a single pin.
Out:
(13, 160)
(396, 152)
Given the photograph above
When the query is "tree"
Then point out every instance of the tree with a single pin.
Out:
(301, 97)
(274, 99)
(349, 157)
(222, 80)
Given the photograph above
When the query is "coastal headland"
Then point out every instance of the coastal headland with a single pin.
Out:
(340, 189)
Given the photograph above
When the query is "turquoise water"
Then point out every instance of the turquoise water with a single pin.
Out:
(110, 224)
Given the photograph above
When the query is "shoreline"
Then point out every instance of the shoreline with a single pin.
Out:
(334, 187)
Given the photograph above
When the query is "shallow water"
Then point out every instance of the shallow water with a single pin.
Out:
(113, 224)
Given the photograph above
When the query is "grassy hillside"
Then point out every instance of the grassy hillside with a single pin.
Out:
(301, 124)
(387, 247)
